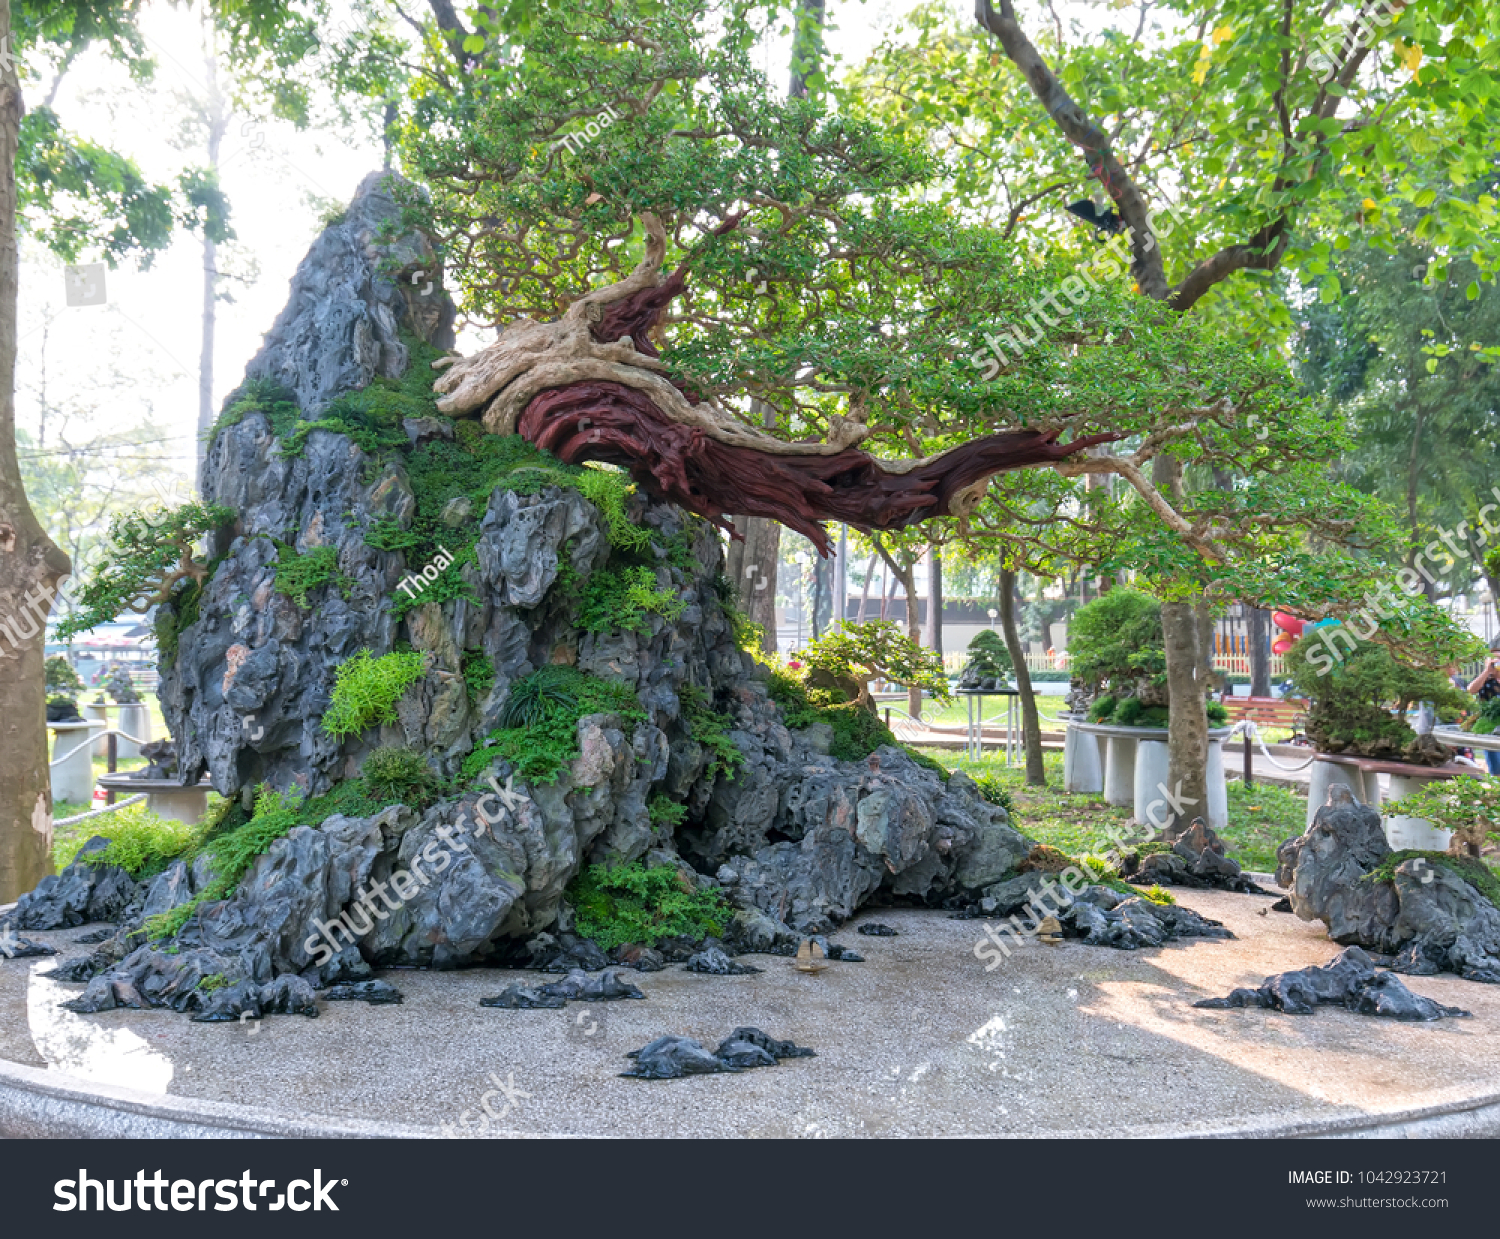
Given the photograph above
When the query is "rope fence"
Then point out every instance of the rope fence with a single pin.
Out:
(83, 817)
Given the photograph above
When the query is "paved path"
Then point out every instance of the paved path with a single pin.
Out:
(918, 1041)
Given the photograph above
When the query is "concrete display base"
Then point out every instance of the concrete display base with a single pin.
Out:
(1083, 763)
(73, 775)
(165, 797)
(1069, 1040)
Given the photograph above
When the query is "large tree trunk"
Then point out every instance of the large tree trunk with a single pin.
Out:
(906, 573)
(1031, 726)
(751, 566)
(935, 600)
(864, 593)
(1186, 795)
(1260, 651)
(30, 567)
(217, 116)
(841, 580)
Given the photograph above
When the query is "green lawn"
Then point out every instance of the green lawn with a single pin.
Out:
(1260, 817)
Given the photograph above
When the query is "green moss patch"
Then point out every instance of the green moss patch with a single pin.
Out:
(1475, 872)
(366, 690)
(544, 736)
(634, 904)
(298, 575)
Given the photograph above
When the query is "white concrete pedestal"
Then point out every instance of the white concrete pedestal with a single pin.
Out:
(1119, 771)
(1083, 764)
(1417, 833)
(165, 797)
(1151, 805)
(73, 776)
(1218, 792)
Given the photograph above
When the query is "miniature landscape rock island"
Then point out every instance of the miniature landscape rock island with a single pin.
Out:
(417, 775)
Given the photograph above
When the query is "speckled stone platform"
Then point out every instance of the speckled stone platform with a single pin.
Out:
(919, 1040)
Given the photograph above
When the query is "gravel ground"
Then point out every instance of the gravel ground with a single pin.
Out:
(918, 1041)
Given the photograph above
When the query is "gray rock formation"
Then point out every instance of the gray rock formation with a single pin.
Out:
(364, 280)
(1426, 914)
(1197, 859)
(1349, 981)
(796, 839)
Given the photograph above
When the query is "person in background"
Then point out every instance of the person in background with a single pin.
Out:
(1486, 687)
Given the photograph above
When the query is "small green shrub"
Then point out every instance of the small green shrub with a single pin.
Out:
(664, 811)
(140, 842)
(366, 690)
(298, 575)
(212, 983)
(1218, 714)
(620, 599)
(857, 731)
(539, 750)
(711, 730)
(994, 791)
(479, 678)
(399, 775)
(61, 678)
(545, 693)
(634, 904)
(1103, 708)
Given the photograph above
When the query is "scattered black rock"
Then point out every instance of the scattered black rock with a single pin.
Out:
(581, 953)
(1282, 905)
(1425, 914)
(375, 992)
(85, 891)
(874, 929)
(777, 1049)
(232, 1002)
(519, 997)
(1197, 860)
(291, 995)
(608, 986)
(1349, 981)
(672, 1057)
(716, 963)
(25, 948)
(844, 954)
(95, 938)
(1133, 923)
(641, 958)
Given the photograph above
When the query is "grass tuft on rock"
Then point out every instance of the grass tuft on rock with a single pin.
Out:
(640, 905)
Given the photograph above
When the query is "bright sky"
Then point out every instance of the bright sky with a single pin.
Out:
(111, 366)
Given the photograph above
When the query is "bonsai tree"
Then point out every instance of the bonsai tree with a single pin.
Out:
(122, 688)
(61, 678)
(853, 655)
(989, 660)
(1359, 704)
(1469, 807)
(1117, 648)
(148, 556)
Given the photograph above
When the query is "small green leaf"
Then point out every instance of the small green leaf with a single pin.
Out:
(1472, 291)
